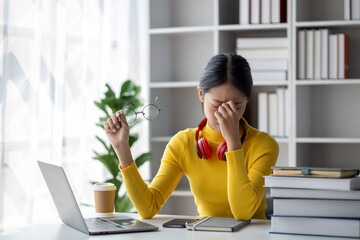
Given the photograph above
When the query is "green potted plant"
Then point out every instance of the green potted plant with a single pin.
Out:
(109, 104)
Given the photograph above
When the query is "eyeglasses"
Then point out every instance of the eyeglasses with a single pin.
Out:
(150, 112)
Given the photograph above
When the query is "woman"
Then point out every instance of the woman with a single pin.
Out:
(232, 187)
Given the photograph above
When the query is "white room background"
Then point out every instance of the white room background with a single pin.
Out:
(56, 56)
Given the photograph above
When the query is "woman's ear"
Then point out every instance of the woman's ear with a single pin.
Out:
(200, 95)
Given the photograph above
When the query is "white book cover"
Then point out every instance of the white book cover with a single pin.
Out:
(262, 42)
(333, 56)
(301, 54)
(309, 54)
(314, 194)
(313, 183)
(268, 64)
(272, 53)
(324, 53)
(265, 11)
(355, 9)
(275, 11)
(316, 207)
(259, 76)
(273, 114)
(317, 54)
(287, 112)
(342, 54)
(244, 12)
(263, 111)
(347, 10)
(255, 11)
(280, 92)
(338, 227)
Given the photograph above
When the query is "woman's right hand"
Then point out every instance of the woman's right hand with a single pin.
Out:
(117, 130)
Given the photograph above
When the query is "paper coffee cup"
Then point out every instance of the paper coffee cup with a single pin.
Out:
(104, 194)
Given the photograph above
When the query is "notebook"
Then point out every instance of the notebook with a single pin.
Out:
(216, 224)
(70, 213)
(315, 172)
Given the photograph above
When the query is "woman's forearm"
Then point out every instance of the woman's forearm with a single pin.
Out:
(124, 155)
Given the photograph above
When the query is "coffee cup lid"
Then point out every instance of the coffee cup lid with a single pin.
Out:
(104, 187)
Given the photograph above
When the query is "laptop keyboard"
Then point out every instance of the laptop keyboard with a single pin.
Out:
(97, 224)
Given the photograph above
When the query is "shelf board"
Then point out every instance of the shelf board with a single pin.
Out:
(253, 27)
(161, 139)
(182, 193)
(270, 83)
(328, 82)
(282, 139)
(174, 84)
(327, 140)
(180, 30)
(334, 23)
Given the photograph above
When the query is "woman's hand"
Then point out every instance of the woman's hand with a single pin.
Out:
(117, 130)
(228, 118)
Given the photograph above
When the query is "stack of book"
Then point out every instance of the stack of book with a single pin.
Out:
(322, 55)
(325, 204)
(267, 57)
(262, 11)
(273, 112)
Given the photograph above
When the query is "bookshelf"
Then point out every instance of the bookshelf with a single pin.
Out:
(184, 35)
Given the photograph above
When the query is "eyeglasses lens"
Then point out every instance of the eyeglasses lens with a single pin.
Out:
(151, 112)
(130, 115)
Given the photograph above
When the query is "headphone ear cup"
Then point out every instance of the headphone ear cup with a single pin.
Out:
(221, 150)
(204, 150)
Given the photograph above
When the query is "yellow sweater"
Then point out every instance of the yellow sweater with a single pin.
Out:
(222, 189)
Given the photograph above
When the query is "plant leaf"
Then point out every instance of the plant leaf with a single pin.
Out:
(110, 162)
(123, 204)
(143, 158)
(103, 143)
(109, 92)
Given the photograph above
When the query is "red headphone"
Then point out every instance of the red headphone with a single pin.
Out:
(202, 147)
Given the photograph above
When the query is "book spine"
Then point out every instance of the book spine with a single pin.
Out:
(347, 10)
(343, 61)
(255, 11)
(273, 114)
(355, 9)
(317, 54)
(309, 54)
(265, 11)
(324, 53)
(244, 12)
(333, 56)
(301, 54)
(275, 11)
(263, 111)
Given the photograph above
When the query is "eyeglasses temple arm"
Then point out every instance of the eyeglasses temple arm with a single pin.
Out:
(157, 102)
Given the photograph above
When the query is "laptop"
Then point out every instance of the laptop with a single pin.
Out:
(70, 213)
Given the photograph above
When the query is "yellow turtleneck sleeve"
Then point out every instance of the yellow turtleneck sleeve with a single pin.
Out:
(222, 189)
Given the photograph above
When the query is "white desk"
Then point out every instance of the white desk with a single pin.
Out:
(257, 230)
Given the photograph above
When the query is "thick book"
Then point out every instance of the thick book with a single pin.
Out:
(269, 75)
(333, 56)
(254, 11)
(216, 224)
(316, 226)
(324, 53)
(268, 64)
(266, 53)
(301, 67)
(260, 43)
(244, 12)
(315, 172)
(265, 11)
(355, 9)
(343, 54)
(273, 114)
(309, 54)
(316, 207)
(345, 184)
(313, 193)
(317, 54)
(263, 111)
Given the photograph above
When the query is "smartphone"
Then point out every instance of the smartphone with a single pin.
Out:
(176, 223)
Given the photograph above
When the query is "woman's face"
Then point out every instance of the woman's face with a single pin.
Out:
(219, 95)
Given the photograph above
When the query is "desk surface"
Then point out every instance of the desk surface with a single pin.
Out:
(257, 230)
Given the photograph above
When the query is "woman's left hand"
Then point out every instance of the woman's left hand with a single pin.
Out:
(228, 118)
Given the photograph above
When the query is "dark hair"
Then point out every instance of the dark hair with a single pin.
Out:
(226, 67)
